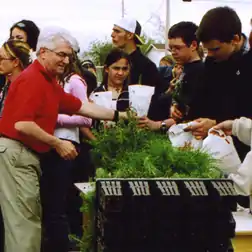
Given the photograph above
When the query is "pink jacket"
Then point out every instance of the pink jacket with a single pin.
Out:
(78, 88)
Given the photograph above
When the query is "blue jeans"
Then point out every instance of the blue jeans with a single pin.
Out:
(55, 183)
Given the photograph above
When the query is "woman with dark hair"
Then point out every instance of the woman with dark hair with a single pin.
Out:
(115, 79)
(89, 65)
(14, 58)
(90, 75)
(27, 31)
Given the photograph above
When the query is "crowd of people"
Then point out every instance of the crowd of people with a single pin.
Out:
(46, 110)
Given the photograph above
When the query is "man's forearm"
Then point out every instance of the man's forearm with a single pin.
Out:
(95, 111)
(33, 131)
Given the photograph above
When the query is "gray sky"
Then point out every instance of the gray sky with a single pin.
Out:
(93, 19)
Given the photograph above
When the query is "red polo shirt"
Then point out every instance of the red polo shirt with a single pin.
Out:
(35, 96)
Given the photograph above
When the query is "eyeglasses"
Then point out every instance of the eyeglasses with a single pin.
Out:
(116, 68)
(62, 55)
(2, 58)
(176, 47)
(214, 49)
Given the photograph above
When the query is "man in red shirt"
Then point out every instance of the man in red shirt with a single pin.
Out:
(27, 125)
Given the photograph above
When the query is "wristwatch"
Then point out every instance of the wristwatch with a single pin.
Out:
(163, 127)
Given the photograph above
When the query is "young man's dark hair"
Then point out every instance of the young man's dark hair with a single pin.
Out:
(220, 23)
(184, 30)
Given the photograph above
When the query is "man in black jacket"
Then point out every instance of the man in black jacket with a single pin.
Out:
(126, 35)
(184, 47)
(225, 92)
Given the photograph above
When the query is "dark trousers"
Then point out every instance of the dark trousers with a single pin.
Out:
(82, 171)
(55, 183)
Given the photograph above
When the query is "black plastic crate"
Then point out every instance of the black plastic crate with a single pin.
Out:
(153, 214)
(114, 195)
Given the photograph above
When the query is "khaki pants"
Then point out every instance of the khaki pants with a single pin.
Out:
(20, 196)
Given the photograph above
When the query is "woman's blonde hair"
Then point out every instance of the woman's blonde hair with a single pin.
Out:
(18, 50)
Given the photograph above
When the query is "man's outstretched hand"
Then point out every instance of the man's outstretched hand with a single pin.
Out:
(201, 127)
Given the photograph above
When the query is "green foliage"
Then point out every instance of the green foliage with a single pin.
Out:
(98, 51)
(147, 42)
(87, 241)
(180, 98)
(126, 151)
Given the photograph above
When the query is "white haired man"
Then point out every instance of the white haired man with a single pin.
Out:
(27, 125)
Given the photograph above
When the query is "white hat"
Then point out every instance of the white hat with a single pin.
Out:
(131, 25)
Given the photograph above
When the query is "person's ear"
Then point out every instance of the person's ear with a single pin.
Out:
(194, 45)
(236, 40)
(130, 35)
(16, 62)
(42, 52)
(106, 69)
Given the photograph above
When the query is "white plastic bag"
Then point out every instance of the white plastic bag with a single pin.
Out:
(180, 138)
(221, 147)
(103, 99)
(140, 98)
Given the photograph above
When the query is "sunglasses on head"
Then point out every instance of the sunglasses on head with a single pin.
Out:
(21, 25)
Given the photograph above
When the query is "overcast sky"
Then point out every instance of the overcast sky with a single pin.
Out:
(93, 19)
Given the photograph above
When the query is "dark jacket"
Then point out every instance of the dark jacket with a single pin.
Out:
(2, 81)
(223, 89)
(225, 92)
(143, 70)
(161, 102)
(165, 73)
(189, 82)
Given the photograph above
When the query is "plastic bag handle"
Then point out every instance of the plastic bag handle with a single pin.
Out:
(219, 133)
